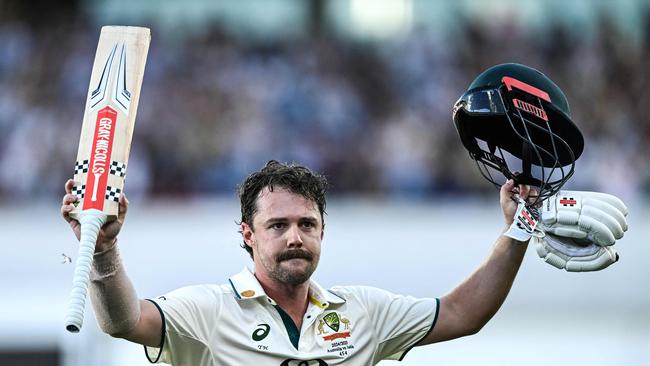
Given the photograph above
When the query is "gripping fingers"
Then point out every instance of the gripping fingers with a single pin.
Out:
(67, 207)
(68, 186)
(124, 205)
(69, 199)
(524, 191)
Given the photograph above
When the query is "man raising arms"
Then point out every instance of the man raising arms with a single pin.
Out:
(277, 315)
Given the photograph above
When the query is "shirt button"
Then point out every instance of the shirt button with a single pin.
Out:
(308, 316)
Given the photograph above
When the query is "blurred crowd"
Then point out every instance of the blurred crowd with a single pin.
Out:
(374, 117)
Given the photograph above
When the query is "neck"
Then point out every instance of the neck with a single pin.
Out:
(293, 299)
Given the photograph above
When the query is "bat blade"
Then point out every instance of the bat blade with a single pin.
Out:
(104, 145)
(109, 118)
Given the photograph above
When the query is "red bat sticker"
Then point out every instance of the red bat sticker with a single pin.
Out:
(100, 156)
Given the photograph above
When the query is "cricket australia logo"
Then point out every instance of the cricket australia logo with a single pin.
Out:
(335, 329)
(119, 92)
(334, 322)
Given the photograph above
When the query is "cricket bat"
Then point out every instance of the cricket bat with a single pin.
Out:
(104, 146)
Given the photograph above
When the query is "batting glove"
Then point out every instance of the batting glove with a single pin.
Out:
(573, 255)
(592, 217)
(596, 217)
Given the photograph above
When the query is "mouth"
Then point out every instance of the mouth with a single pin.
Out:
(295, 260)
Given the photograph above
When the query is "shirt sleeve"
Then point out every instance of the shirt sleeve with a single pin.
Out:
(187, 315)
(399, 322)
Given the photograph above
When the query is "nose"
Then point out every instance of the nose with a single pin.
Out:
(294, 239)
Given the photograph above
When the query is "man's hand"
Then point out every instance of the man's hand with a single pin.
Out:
(108, 234)
(508, 201)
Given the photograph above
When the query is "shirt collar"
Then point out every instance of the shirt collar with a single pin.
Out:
(321, 297)
(246, 286)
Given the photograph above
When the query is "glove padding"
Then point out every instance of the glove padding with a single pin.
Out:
(593, 217)
(580, 229)
(573, 255)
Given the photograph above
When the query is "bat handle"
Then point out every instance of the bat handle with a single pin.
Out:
(91, 222)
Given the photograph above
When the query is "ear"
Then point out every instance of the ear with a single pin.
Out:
(322, 232)
(248, 234)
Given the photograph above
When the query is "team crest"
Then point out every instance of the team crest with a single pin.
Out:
(335, 330)
(332, 320)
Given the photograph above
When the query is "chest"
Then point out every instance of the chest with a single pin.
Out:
(251, 331)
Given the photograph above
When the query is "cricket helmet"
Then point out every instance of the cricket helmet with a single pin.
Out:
(516, 122)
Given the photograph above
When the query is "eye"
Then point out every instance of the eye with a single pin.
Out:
(278, 225)
(308, 224)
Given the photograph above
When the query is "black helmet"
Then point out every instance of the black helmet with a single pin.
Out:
(513, 113)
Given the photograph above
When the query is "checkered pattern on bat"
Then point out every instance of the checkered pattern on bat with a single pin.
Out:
(117, 168)
(79, 191)
(81, 167)
(112, 193)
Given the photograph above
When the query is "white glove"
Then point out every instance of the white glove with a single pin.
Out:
(588, 216)
(580, 230)
(572, 255)
(593, 217)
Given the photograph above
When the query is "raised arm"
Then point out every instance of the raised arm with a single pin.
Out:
(117, 308)
(469, 306)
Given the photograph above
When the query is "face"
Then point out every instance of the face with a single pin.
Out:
(286, 236)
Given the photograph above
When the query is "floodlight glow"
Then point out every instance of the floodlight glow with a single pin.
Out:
(382, 19)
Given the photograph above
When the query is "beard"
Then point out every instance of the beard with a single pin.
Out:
(293, 276)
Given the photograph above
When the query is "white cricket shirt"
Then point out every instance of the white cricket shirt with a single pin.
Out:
(237, 324)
